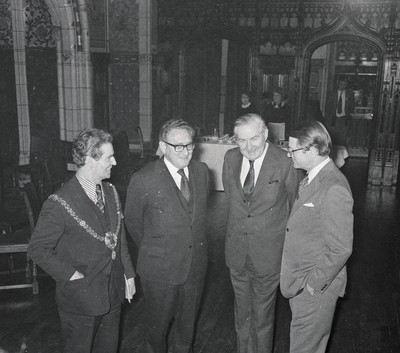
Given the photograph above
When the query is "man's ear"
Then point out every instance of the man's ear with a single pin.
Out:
(163, 146)
(89, 161)
(266, 134)
(314, 151)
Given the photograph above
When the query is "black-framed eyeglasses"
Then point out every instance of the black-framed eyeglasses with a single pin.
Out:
(180, 148)
(290, 151)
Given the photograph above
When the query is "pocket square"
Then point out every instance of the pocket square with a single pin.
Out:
(310, 204)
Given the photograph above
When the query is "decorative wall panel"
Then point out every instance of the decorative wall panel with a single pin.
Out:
(123, 18)
(38, 25)
(6, 36)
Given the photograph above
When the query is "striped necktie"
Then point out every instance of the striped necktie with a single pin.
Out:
(99, 198)
(302, 186)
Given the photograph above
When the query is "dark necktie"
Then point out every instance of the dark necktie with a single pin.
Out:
(248, 186)
(340, 103)
(99, 198)
(302, 186)
(185, 189)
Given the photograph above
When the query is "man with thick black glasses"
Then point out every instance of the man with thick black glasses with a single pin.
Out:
(165, 214)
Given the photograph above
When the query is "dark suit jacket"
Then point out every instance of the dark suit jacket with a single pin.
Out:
(319, 235)
(170, 234)
(349, 104)
(257, 228)
(61, 246)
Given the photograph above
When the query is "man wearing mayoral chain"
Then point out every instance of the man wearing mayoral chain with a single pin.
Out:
(80, 241)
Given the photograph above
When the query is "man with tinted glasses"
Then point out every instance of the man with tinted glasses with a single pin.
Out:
(165, 214)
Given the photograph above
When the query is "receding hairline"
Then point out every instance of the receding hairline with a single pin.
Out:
(248, 119)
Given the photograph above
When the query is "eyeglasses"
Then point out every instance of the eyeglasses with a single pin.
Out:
(290, 151)
(180, 148)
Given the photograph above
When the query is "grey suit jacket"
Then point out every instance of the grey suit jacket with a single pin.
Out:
(319, 235)
(257, 228)
(170, 234)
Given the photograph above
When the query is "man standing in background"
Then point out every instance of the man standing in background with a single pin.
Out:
(341, 106)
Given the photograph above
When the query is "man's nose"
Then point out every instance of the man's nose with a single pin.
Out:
(113, 161)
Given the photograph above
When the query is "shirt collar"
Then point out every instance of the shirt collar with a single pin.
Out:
(313, 172)
(88, 186)
(174, 170)
(257, 162)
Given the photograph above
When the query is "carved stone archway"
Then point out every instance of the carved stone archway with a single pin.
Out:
(383, 151)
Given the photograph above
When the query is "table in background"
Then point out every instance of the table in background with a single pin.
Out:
(212, 153)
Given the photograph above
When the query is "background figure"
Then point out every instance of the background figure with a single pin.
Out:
(80, 241)
(260, 185)
(247, 105)
(318, 241)
(340, 106)
(278, 112)
(165, 212)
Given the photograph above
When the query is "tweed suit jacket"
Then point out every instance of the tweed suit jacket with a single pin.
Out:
(170, 234)
(319, 235)
(257, 228)
(60, 246)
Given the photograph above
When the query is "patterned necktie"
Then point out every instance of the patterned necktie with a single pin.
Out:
(248, 186)
(340, 103)
(185, 189)
(99, 198)
(302, 186)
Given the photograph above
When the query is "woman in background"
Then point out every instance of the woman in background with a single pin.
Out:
(247, 106)
(278, 111)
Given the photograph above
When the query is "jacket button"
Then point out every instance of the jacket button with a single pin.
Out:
(245, 233)
(190, 246)
(244, 201)
(287, 229)
(249, 216)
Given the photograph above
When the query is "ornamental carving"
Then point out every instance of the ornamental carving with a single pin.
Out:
(38, 25)
(6, 36)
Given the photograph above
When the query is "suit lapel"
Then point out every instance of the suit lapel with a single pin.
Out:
(111, 212)
(313, 187)
(84, 206)
(267, 168)
(236, 170)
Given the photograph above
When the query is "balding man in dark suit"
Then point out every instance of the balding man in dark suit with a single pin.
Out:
(165, 212)
(260, 186)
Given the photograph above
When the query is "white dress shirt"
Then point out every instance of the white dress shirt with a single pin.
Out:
(313, 172)
(257, 167)
(174, 172)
